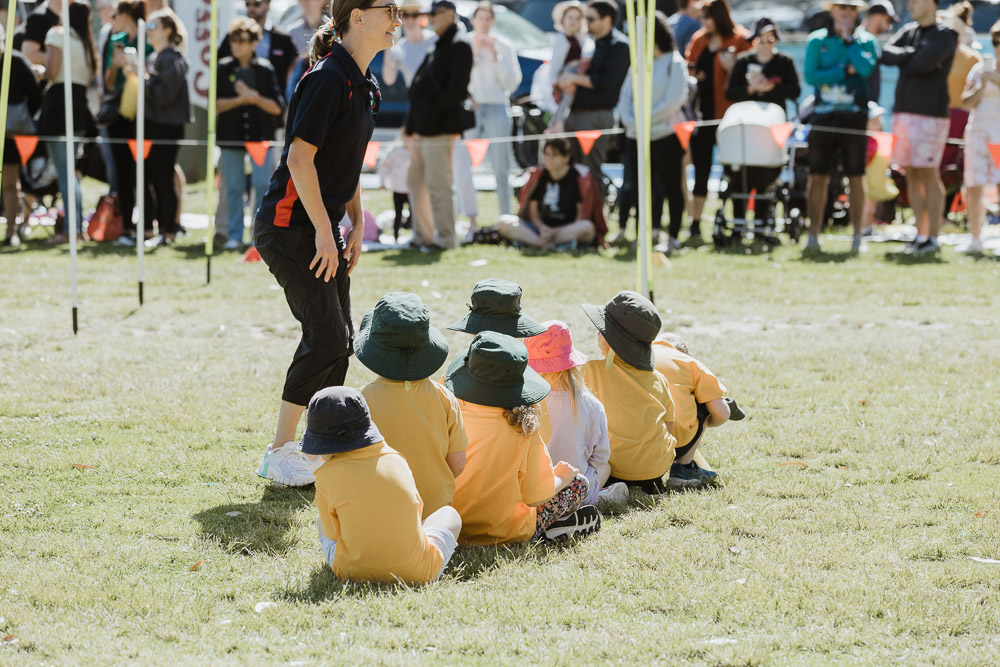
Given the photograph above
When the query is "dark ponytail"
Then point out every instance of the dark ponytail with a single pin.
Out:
(321, 42)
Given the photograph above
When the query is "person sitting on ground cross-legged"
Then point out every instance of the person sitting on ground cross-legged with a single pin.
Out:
(419, 417)
(560, 204)
(699, 402)
(369, 523)
(496, 306)
(510, 491)
(635, 395)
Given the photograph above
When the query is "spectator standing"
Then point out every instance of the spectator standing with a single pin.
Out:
(923, 50)
(982, 97)
(438, 115)
(685, 22)
(838, 62)
(571, 48)
(879, 19)
(711, 55)
(168, 110)
(407, 54)
(762, 74)
(966, 58)
(302, 29)
(274, 46)
(106, 14)
(596, 91)
(26, 95)
(31, 41)
(127, 15)
(495, 75)
(250, 107)
(669, 94)
(82, 64)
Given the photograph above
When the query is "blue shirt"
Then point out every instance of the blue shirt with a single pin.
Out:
(827, 58)
(683, 27)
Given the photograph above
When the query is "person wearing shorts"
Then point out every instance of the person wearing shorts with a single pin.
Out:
(923, 50)
(838, 62)
(331, 117)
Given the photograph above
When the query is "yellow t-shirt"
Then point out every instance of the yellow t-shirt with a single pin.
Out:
(639, 408)
(423, 424)
(369, 505)
(691, 383)
(965, 58)
(505, 471)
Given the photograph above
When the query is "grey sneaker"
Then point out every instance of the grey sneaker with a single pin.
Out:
(858, 245)
(812, 243)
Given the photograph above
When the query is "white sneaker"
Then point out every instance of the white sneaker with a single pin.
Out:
(973, 247)
(289, 466)
(232, 245)
(616, 494)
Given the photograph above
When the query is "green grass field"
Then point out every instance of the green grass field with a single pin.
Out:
(854, 496)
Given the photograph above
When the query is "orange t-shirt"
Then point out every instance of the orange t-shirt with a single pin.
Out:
(505, 472)
(691, 383)
(423, 424)
(369, 505)
(639, 407)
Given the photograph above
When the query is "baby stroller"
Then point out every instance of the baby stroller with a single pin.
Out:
(752, 162)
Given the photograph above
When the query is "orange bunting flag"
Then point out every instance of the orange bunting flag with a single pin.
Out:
(752, 202)
(477, 150)
(251, 255)
(958, 203)
(25, 147)
(257, 151)
(995, 152)
(683, 131)
(133, 145)
(781, 132)
(587, 139)
(371, 153)
(885, 141)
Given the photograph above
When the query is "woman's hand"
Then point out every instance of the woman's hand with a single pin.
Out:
(354, 240)
(327, 254)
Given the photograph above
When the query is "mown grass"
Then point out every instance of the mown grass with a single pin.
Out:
(878, 374)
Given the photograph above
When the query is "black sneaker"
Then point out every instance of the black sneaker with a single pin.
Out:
(928, 247)
(690, 476)
(583, 521)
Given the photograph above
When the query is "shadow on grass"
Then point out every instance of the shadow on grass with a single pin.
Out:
(824, 257)
(259, 527)
(907, 259)
(743, 248)
(409, 257)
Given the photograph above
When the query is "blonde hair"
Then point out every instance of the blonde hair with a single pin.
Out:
(524, 418)
(679, 343)
(570, 380)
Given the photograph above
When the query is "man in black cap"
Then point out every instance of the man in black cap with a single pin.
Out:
(438, 115)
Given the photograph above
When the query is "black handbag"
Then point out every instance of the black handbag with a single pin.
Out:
(108, 113)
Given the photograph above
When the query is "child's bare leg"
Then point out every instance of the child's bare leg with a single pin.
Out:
(513, 229)
(288, 420)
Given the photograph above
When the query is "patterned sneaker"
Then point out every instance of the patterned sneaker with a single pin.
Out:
(583, 521)
(289, 466)
(616, 494)
(690, 476)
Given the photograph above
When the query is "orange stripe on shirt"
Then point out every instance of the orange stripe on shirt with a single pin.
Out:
(283, 209)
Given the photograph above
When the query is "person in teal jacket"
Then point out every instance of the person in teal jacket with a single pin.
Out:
(839, 61)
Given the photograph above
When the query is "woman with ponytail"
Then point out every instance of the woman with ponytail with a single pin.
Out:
(331, 116)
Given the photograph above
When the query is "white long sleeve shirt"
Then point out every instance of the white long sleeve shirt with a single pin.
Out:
(580, 439)
(494, 79)
(670, 92)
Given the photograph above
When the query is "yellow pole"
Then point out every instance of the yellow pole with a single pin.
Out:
(213, 66)
(8, 47)
(647, 113)
(636, 84)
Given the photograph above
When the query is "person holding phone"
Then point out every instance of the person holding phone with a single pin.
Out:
(331, 117)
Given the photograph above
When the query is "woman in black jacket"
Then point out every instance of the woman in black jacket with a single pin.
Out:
(26, 93)
(168, 109)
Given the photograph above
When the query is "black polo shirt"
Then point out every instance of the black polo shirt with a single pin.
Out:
(333, 108)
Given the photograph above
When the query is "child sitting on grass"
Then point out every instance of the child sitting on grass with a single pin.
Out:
(495, 305)
(369, 509)
(635, 396)
(510, 491)
(419, 417)
(577, 428)
(699, 401)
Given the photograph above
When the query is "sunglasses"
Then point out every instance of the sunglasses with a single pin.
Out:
(410, 15)
(593, 19)
(996, 41)
(393, 11)
(768, 40)
(240, 40)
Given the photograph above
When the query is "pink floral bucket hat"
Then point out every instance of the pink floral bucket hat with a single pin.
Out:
(553, 351)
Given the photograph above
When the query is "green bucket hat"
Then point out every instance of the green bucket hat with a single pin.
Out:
(629, 323)
(496, 306)
(495, 372)
(397, 341)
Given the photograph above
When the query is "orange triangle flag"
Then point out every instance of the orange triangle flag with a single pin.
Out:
(995, 152)
(885, 141)
(587, 139)
(371, 153)
(133, 144)
(477, 150)
(251, 255)
(26, 147)
(958, 203)
(257, 151)
(781, 132)
(752, 201)
(683, 132)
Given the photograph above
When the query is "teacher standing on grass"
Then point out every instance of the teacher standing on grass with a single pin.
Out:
(331, 117)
